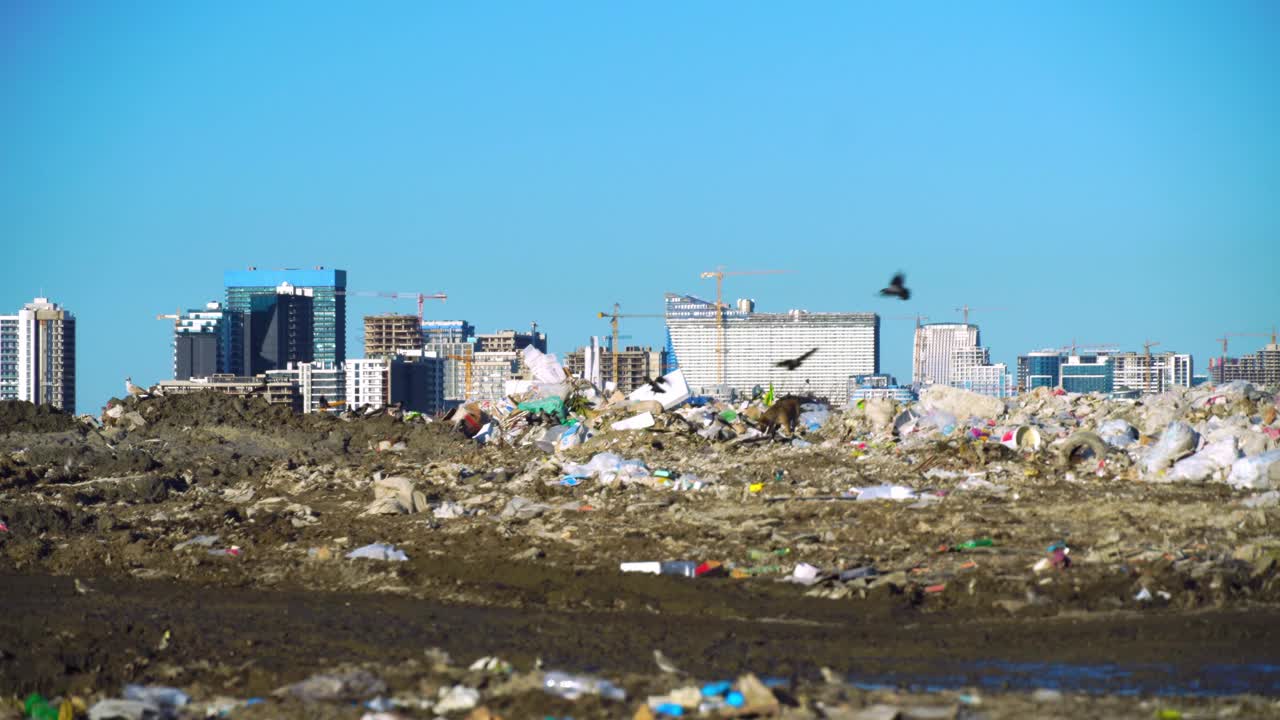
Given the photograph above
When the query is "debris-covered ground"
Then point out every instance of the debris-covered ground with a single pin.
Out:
(1048, 556)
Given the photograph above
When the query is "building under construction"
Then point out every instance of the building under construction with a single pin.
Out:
(636, 365)
(386, 335)
(1260, 368)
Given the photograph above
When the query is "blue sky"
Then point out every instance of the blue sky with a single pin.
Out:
(1108, 172)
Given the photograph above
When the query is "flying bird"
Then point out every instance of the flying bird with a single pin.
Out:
(793, 364)
(655, 384)
(896, 288)
(132, 389)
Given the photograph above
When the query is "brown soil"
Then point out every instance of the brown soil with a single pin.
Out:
(106, 507)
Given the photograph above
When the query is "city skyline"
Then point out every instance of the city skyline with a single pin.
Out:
(1106, 173)
(356, 340)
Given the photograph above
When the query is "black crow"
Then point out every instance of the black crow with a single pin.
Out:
(896, 288)
(656, 384)
(793, 364)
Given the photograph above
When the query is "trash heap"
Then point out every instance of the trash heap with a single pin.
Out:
(1223, 434)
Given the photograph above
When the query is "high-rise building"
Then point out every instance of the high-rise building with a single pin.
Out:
(972, 369)
(1260, 368)
(636, 365)
(1039, 369)
(1087, 373)
(200, 342)
(845, 344)
(8, 357)
(412, 383)
(490, 372)
(451, 340)
(931, 355)
(386, 335)
(447, 331)
(38, 355)
(285, 316)
(321, 384)
(510, 341)
(1166, 370)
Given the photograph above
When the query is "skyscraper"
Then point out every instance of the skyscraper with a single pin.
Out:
(1039, 369)
(285, 316)
(931, 356)
(200, 342)
(846, 344)
(38, 355)
(8, 357)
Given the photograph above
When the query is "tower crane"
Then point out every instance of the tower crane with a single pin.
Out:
(1103, 347)
(420, 297)
(176, 317)
(1146, 371)
(965, 310)
(466, 364)
(1226, 336)
(720, 274)
(917, 342)
(613, 323)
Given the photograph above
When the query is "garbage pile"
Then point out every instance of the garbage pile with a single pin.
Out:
(1226, 434)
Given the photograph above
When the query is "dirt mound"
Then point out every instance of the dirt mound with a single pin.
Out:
(22, 416)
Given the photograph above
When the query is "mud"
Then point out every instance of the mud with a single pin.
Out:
(510, 562)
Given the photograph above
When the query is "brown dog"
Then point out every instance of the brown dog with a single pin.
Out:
(784, 411)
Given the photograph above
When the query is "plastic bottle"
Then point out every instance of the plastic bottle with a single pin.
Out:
(975, 543)
(37, 708)
(572, 687)
(687, 568)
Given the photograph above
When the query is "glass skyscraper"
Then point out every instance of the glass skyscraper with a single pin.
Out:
(276, 325)
(1088, 373)
(1039, 369)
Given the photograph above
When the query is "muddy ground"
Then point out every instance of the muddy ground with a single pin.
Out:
(505, 560)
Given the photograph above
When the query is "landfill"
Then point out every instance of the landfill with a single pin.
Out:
(587, 554)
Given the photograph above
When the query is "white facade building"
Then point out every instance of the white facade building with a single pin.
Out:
(932, 353)
(846, 344)
(366, 382)
(971, 369)
(38, 355)
(1167, 370)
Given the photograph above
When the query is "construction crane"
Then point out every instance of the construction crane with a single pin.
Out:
(466, 364)
(1103, 347)
(613, 323)
(720, 274)
(917, 318)
(1146, 371)
(1225, 336)
(917, 342)
(176, 317)
(420, 297)
(965, 309)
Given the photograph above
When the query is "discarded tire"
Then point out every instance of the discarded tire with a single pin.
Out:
(1081, 440)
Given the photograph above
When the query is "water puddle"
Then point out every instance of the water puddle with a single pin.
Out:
(1098, 679)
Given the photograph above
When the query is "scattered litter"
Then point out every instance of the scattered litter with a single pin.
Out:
(378, 551)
